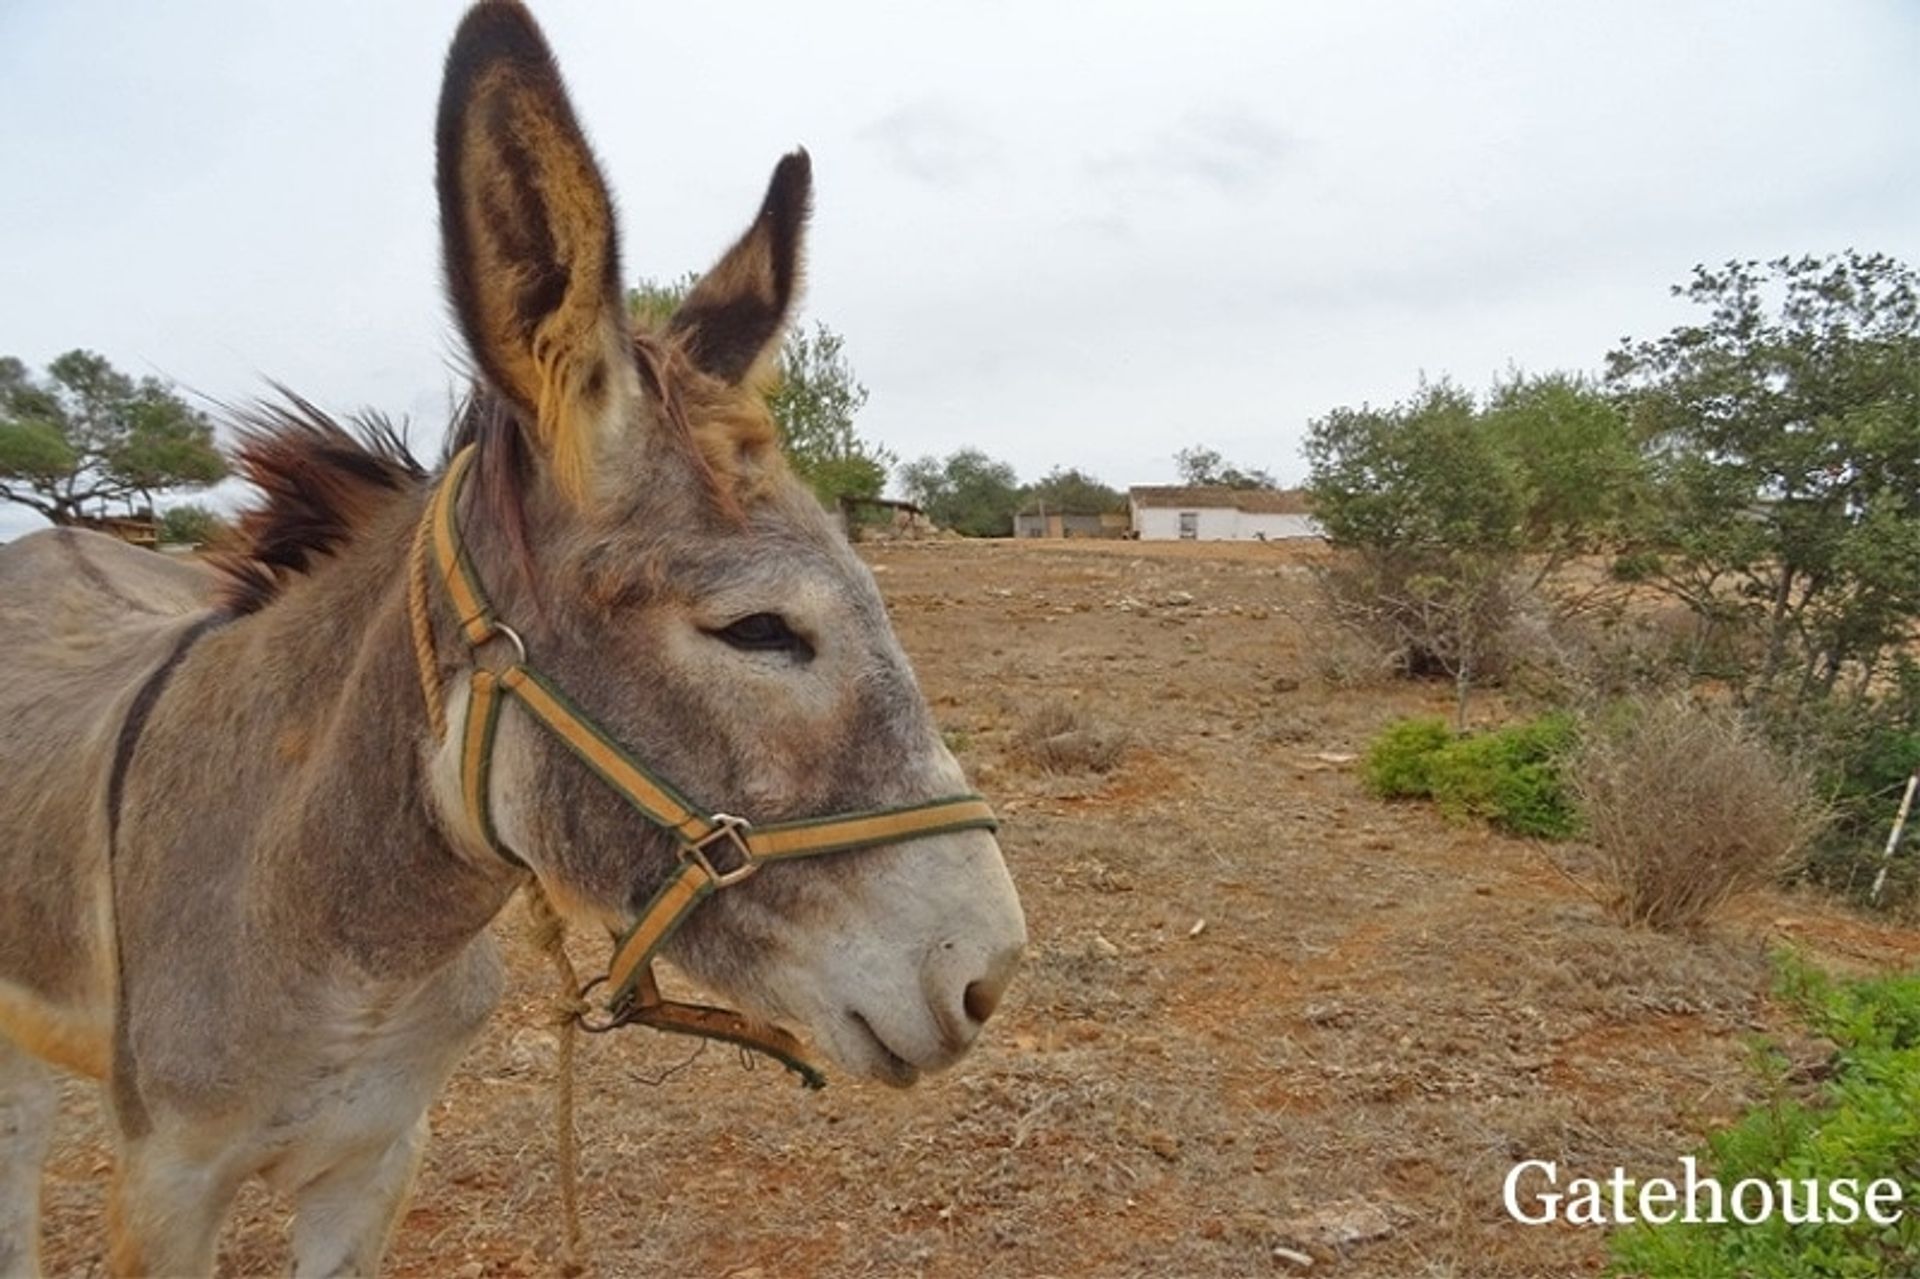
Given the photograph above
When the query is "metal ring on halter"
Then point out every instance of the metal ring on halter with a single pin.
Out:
(615, 1021)
(502, 631)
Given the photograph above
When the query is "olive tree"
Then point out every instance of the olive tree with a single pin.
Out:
(87, 435)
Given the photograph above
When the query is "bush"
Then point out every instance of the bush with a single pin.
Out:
(1512, 777)
(1688, 807)
(1864, 1125)
(190, 524)
(1060, 738)
(1434, 616)
(1862, 749)
(1589, 654)
(1399, 764)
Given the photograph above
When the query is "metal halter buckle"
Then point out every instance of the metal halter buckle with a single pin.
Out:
(734, 831)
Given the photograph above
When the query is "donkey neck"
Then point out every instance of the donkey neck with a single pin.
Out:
(352, 841)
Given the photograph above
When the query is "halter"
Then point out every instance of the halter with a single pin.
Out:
(715, 850)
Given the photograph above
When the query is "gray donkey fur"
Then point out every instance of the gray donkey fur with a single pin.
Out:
(236, 882)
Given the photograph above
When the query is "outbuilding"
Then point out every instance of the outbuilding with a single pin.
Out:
(1043, 523)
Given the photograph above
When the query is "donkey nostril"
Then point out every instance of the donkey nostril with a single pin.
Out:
(980, 999)
(964, 986)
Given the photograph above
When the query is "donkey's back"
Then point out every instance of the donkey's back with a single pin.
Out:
(85, 621)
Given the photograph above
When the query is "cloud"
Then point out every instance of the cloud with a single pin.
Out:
(932, 142)
(1230, 150)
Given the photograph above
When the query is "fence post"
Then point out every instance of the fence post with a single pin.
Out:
(1893, 839)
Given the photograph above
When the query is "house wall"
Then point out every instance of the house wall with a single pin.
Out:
(1221, 524)
(1276, 528)
(1162, 523)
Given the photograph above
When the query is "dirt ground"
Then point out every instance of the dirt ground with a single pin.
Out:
(1263, 1013)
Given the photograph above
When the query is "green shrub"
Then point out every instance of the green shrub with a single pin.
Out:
(1864, 1125)
(1512, 777)
(1399, 763)
(190, 524)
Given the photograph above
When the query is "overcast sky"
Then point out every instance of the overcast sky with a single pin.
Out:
(1068, 234)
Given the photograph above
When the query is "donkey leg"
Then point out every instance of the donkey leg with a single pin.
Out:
(165, 1207)
(344, 1217)
(29, 1094)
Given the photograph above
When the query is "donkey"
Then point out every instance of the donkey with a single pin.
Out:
(245, 875)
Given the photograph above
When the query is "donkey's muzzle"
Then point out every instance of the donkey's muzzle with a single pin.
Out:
(964, 982)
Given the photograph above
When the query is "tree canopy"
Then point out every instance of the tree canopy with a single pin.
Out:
(1577, 470)
(1071, 491)
(1546, 466)
(815, 403)
(1783, 432)
(191, 524)
(1203, 466)
(1422, 475)
(969, 492)
(1444, 499)
(87, 435)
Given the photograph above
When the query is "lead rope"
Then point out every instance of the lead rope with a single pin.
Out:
(549, 933)
(547, 929)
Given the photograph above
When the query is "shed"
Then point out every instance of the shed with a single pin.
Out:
(1039, 523)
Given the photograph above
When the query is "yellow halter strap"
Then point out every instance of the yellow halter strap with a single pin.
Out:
(716, 850)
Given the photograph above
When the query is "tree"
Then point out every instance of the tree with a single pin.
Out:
(815, 402)
(1580, 477)
(1421, 476)
(1442, 503)
(88, 435)
(1071, 492)
(970, 492)
(1430, 512)
(815, 399)
(1204, 467)
(1783, 435)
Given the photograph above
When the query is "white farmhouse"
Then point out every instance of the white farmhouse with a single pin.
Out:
(1165, 513)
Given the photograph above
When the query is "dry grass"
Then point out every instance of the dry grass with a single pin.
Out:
(1688, 808)
(1383, 1010)
(1059, 737)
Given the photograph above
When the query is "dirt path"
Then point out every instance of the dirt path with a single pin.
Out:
(1261, 1009)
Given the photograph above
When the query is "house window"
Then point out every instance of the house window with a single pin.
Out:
(1189, 525)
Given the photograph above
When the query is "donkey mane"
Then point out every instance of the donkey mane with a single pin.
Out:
(319, 483)
(320, 480)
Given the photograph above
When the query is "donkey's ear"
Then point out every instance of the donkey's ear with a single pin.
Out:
(735, 316)
(527, 229)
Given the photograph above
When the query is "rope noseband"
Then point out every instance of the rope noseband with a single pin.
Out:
(715, 850)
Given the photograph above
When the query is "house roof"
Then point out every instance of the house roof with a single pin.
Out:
(1251, 501)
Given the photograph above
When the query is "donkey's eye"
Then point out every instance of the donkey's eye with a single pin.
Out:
(765, 633)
